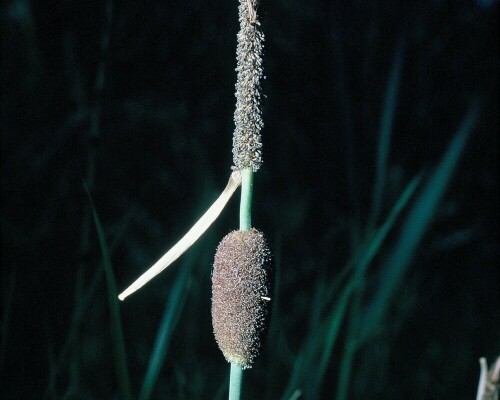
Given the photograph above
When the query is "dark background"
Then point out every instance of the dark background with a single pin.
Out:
(137, 99)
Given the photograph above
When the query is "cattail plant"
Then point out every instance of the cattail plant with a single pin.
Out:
(241, 271)
(240, 283)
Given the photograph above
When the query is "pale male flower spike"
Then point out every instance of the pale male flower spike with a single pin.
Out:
(189, 238)
(247, 144)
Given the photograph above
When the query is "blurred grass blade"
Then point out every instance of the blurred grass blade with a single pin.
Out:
(300, 366)
(77, 317)
(84, 301)
(386, 124)
(121, 368)
(323, 340)
(173, 310)
(337, 314)
(375, 244)
(416, 223)
(318, 346)
(296, 395)
(332, 331)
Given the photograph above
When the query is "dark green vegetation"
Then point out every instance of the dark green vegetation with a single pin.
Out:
(378, 195)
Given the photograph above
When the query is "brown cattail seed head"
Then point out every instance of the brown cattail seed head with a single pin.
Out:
(247, 145)
(240, 295)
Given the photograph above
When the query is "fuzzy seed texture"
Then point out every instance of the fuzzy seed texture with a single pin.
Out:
(247, 145)
(240, 295)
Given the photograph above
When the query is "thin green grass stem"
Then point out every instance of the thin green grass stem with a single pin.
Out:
(84, 302)
(416, 223)
(386, 128)
(170, 319)
(120, 357)
(353, 284)
(345, 370)
(235, 379)
(246, 199)
(352, 342)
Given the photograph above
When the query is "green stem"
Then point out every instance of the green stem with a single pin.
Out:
(246, 199)
(235, 379)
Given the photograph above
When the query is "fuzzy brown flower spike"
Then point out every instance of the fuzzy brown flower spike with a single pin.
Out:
(240, 295)
(247, 143)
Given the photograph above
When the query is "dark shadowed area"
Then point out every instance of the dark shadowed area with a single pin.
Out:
(378, 195)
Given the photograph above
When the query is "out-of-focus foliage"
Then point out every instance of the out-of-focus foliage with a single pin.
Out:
(137, 100)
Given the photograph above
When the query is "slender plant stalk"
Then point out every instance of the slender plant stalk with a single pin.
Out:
(386, 128)
(246, 199)
(235, 377)
(120, 357)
